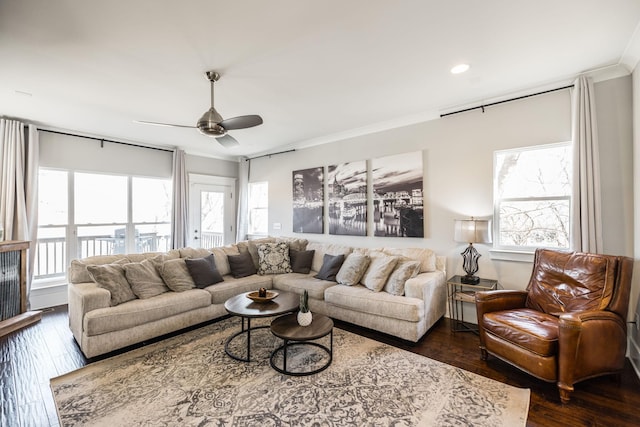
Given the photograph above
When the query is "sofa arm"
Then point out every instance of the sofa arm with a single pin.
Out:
(431, 288)
(83, 298)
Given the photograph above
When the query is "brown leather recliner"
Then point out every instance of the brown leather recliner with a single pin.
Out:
(568, 325)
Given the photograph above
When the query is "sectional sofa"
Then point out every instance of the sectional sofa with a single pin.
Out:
(119, 300)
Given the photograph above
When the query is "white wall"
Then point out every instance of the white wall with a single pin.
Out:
(634, 329)
(458, 171)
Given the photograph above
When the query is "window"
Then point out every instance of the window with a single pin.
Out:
(258, 208)
(532, 197)
(86, 214)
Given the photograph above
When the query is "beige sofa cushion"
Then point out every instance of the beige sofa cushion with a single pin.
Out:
(360, 299)
(353, 269)
(325, 248)
(298, 282)
(138, 312)
(220, 292)
(144, 279)
(112, 278)
(175, 274)
(405, 269)
(426, 257)
(378, 271)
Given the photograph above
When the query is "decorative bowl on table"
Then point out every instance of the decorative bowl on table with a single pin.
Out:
(255, 296)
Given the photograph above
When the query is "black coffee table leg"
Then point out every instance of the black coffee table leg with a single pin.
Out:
(242, 331)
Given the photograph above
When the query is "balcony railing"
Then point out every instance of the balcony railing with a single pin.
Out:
(51, 260)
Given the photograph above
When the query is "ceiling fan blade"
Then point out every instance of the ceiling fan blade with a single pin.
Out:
(144, 122)
(241, 122)
(227, 141)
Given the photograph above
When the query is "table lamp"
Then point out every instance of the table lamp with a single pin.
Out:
(471, 231)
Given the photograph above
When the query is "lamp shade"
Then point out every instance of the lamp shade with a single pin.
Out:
(472, 230)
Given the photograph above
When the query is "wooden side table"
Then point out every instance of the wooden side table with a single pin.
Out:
(460, 293)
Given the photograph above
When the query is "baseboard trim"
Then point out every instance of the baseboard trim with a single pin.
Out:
(49, 296)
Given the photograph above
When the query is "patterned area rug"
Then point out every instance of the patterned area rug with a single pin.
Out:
(188, 380)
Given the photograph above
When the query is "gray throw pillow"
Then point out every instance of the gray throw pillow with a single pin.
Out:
(111, 277)
(203, 271)
(301, 260)
(241, 265)
(330, 266)
(353, 269)
(144, 279)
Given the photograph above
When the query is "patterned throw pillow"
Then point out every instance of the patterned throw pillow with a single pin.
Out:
(352, 269)
(273, 258)
(404, 271)
(111, 277)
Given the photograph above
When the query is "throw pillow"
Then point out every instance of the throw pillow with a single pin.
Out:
(241, 265)
(144, 279)
(111, 277)
(175, 274)
(353, 269)
(404, 271)
(273, 258)
(330, 266)
(379, 270)
(301, 260)
(203, 271)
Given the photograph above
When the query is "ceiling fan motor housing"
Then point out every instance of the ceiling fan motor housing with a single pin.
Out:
(209, 123)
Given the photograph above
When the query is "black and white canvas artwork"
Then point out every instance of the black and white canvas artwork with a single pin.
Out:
(308, 200)
(347, 186)
(398, 209)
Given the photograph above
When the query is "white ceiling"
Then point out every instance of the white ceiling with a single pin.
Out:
(316, 71)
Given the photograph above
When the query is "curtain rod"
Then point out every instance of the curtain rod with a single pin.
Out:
(269, 155)
(103, 140)
(482, 107)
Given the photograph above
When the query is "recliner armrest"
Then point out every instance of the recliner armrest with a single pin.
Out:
(488, 301)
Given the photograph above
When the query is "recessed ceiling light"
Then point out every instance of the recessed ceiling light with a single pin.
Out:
(460, 68)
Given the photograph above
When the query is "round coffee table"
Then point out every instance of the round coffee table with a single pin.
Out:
(242, 306)
(287, 328)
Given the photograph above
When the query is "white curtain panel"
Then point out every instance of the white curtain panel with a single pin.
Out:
(19, 154)
(242, 222)
(179, 213)
(586, 211)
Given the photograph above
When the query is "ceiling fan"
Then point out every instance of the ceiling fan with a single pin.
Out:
(212, 124)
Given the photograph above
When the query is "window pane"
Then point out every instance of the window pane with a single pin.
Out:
(151, 200)
(100, 199)
(53, 198)
(258, 221)
(538, 172)
(105, 240)
(50, 254)
(153, 238)
(258, 194)
(535, 223)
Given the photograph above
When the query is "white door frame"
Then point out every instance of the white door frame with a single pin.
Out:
(198, 181)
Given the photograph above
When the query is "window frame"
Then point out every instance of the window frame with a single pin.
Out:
(525, 253)
(72, 246)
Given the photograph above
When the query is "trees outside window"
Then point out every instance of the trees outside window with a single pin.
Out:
(532, 197)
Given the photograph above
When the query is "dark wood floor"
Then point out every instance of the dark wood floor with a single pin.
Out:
(30, 357)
